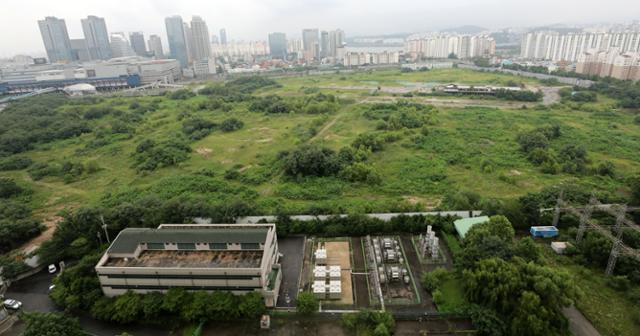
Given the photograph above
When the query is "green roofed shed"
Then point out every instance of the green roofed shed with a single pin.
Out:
(464, 225)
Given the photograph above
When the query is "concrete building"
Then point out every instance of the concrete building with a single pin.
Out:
(236, 258)
(56, 39)
(138, 44)
(120, 46)
(612, 63)
(149, 71)
(311, 44)
(361, 58)
(155, 46)
(79, 50)
(554, 46)
(324, 44)
(96, 37)
(177, 41)
(443, 45)
(188, 37)
(223, 36)
(278, 45)
(336, 43)
(204, 67)
(200, 46)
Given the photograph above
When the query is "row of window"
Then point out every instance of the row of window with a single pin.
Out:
(153, 287)
(181, 276)
(212, 246)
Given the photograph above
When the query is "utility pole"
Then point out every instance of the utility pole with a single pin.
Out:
(617, 243)
(584, 219)
(556, 213)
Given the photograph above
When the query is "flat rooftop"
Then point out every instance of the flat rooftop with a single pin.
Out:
(189, 259)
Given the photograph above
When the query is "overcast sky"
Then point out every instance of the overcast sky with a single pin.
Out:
(254, 19)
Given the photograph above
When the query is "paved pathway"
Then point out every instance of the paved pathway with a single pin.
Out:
(578, 324)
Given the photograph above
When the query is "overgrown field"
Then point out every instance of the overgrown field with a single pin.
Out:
(421, 153)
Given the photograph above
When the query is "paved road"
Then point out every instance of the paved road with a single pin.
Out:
(33, 293)
(578, 324)
(292, 252)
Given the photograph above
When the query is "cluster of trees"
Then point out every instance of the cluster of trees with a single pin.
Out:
(349, 163)
(17, 131)
(358, 225)
(197, 128)
(528, 68)
(68, 170)
(520, 296)
(523, 95)
(150, 155)
(626, 92)
(182, 94)
(578, 95)
(366, 322)
(16, 224)
(78, 289)
(571, 159)
(315, 104)
(401, 115)
(239, 89)
(51, 324)
(15, 162)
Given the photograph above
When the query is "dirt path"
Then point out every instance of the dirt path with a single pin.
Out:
(456, 102)
(578, 324)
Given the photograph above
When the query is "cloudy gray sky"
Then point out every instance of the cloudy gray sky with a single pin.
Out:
(253, 19)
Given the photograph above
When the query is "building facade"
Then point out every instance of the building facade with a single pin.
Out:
(96, 37)
(278, 45)
(120, 46)
(311, 44)
(223, 36)
(555, 46)
(200, 46)
(177, 41)
(236, 258)
(138, 44)
(155, 46)
(56, 39)
(446, 45)
(79, 50)
(612, 63)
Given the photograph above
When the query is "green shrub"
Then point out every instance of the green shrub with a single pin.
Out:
(231, 124)
(15, 163)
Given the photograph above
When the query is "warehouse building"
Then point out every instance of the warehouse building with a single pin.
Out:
(229, 257)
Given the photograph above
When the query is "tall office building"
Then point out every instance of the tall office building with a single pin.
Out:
(336, 42)
(200, 46)
(177, 40)
(120, 46)
(223, 36)
(155, 46)
(278, 45)
(324, 44)
(56, 39)
(96, 37)
(137, 43)
(310, 44)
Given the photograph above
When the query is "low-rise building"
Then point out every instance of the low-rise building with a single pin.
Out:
(237, 258)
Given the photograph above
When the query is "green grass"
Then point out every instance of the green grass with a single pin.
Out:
(416, 170)
(453, 243)
(453, 299)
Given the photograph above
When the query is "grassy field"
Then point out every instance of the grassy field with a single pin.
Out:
(453, 299)
(417, 170)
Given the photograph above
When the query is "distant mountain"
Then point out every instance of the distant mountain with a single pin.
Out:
(468, 29)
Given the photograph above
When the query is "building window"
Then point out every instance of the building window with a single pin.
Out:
(250, 246)
(186, 246)
(217, 246)
(155, 246)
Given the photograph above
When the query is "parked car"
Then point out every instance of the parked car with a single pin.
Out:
(52, 268)
(12, 304)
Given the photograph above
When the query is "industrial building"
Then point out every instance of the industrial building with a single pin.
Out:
(239, 258)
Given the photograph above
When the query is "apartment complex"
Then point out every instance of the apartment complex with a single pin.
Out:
(555, 46)
(363, 58)
(444, 45)
(612, 63)
(228, 257)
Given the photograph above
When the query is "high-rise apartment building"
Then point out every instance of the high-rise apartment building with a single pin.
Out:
(200, 46)
(177, 40)
(56, 39)
(137, 43)
(336, 44)
(120, 46)
(188, 37)
(155, 46)
(555, 46)
(278, 45)
(311, 44)
(96, 37)
(446, 45)
(223, 36)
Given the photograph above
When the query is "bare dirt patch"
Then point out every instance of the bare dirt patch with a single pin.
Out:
(515, 172)
(264, 140)
(427, 204)
(206, 152)
(338, 254)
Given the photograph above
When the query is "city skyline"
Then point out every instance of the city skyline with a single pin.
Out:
(252, 20)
